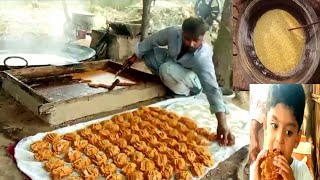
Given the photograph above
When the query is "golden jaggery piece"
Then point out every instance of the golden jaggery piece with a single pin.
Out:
(154, 114)
(171, 142)
(71, 137)
(197, 169)
(164, 126)
(108, 169)
(146, 117)
(52, 137)
(43, 155)
(151, 129)
(206, 160)
(202, 141)
(72, 156)
(147, 165)
(113, 128)
(114, 137)
(200, 150)
(73, 178)
(151, 153)
(164, 112)
(152, 140)
(96, 127)
(81, 163)
(124, 125)
(191, 156)
(115, 177)
(203, 132)
(161, 135)
(104, 144)
(135, 128)
(60, 147)
(270, 171)
(161, 147)
(181, 138)
(182, 128)
(144, 124)
(104, 132)
(155, 109)
(167, 171)
(127, 115)
(173, 133)
(135, 120)
(191, 135)
(137, 157)
(91, 151)
(85, 132)
(136, 175)
(120, 160)
(112, 151)
(122, 143)
(172, 154)
(39, 146)
(181, 147)
(145, 109)
(212, 137)
(188, 122)
(128, 150)
(99, 158)
(184, 175)
(53, 163)
(133, 138)
(154, 175)
(138, 112)
(93, 139)
(173, 115)
(118, 119)
(172, 122)
(124, 133)
(90, 173)
(140, 146)
(179, 163)
(143, 133)
(80, 144)
(161, 160)
(129, 168)
(61, 172)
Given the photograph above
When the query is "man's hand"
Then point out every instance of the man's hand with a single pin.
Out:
(257, 168)
(284, 168)
(131, 60)
(225, 137)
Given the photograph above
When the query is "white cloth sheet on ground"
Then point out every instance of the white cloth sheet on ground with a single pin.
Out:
(198, 109)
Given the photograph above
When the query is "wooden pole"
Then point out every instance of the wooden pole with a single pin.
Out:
(145, 18)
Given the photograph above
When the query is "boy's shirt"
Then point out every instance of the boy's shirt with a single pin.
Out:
(300, 170)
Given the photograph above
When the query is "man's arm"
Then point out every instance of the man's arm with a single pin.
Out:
(206, 73)
(159, 38)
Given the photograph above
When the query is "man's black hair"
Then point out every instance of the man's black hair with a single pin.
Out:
(291, 95)
(195, 26)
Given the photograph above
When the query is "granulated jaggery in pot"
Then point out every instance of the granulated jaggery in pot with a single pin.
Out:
(293, 13)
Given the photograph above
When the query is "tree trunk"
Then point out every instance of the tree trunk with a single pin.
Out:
(145, 18)
(222, 57)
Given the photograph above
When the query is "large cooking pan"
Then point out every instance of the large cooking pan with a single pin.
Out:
(21, 53)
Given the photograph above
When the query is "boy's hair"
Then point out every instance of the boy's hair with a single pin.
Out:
(195, 26)
(291, 95)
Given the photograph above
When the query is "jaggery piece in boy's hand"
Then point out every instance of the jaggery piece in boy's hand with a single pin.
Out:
(270, 171)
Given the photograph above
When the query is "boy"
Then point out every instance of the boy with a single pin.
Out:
(285, 110)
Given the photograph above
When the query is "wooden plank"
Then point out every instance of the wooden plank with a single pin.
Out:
(61, 112)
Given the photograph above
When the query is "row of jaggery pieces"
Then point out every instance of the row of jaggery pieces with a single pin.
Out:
(120, 138)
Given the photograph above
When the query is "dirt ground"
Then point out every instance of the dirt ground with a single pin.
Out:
(16, 122)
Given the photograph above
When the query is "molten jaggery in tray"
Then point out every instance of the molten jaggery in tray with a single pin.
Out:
(148, 143)
(279, 49)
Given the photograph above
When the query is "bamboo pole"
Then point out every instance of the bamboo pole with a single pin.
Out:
(145, 18)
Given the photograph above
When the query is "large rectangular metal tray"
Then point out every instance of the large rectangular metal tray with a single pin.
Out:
(50, 93)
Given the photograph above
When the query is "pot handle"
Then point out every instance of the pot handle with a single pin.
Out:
(10, 57)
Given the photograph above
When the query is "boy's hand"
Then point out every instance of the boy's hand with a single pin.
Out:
(257, 168)
(284, 168)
